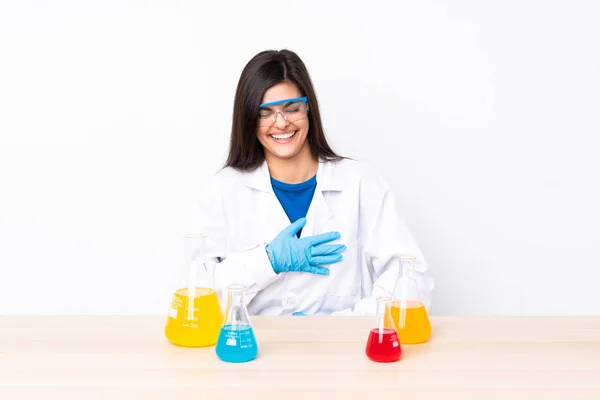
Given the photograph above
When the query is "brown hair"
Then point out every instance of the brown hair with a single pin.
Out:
(264, 70)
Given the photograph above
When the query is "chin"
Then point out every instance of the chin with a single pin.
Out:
(286, 154)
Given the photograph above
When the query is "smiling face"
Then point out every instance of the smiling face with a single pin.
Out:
(286, 138)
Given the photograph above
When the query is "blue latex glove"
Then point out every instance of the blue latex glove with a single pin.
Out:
(291, 254)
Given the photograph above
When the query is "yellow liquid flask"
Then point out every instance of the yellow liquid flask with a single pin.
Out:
(407, 308)
(195, 316)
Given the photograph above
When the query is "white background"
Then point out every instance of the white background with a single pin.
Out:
(484, 116)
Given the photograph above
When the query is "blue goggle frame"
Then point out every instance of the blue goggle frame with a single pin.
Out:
(274, 103)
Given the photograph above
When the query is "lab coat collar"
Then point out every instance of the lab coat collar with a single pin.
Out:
(260, 179)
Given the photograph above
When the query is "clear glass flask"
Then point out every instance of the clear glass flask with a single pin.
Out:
(195, 316)
(383, 344)
(407, 307)
(237, 342)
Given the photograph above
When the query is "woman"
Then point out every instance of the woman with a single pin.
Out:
(306, 231)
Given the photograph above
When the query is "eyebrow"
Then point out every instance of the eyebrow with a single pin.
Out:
(289, 101)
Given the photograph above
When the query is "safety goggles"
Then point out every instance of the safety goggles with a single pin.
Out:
(293, 110)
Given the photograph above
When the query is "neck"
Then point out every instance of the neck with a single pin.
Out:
(297, 169)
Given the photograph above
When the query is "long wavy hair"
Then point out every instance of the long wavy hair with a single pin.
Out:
(263, 71)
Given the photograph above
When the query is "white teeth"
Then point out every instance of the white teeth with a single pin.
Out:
(286, 136)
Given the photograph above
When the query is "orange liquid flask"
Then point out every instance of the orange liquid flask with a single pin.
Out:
(195, 316)
(407, 308)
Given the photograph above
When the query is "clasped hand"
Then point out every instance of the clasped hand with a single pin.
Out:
(289, 253)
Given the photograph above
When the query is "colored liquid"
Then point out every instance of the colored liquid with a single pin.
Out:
(383, 345)
(416, 328)
(202, 329)
(237, 344)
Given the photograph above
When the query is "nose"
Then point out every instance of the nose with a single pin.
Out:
(280, 123)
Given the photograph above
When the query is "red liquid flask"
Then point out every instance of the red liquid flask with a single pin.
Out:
(383, 344)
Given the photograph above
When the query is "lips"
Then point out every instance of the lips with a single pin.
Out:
(283, 137)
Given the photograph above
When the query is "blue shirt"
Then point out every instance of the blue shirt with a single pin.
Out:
(295, 198)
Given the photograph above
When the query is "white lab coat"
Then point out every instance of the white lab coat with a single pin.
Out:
(241, 214)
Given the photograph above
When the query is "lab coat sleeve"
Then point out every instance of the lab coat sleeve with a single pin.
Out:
(249, 267)
(386, 237)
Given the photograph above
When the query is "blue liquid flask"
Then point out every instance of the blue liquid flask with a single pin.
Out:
(236, 342)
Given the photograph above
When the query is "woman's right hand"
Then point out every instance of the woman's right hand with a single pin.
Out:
(289, 253)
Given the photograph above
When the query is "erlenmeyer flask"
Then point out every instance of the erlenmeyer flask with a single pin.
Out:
(236, 341)
(407, 307)
(195, 316)
(383, 344)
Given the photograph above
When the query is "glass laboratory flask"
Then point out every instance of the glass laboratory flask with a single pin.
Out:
(407, 307)
(195, 316)
(383, 344)
(237, 342)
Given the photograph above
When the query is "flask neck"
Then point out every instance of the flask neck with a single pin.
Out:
(406, 265)
(382, 303)
(407, 269)
(236, 296)
(407, 286)
(236, 314)
(384, 318)
(194, 247)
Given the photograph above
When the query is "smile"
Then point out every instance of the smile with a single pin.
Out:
(283, 136)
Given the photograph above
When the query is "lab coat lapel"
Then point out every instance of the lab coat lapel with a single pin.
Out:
(274, 213)
(318, 214)
(268, 208)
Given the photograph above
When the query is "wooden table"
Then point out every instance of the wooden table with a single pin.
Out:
(123, 357)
